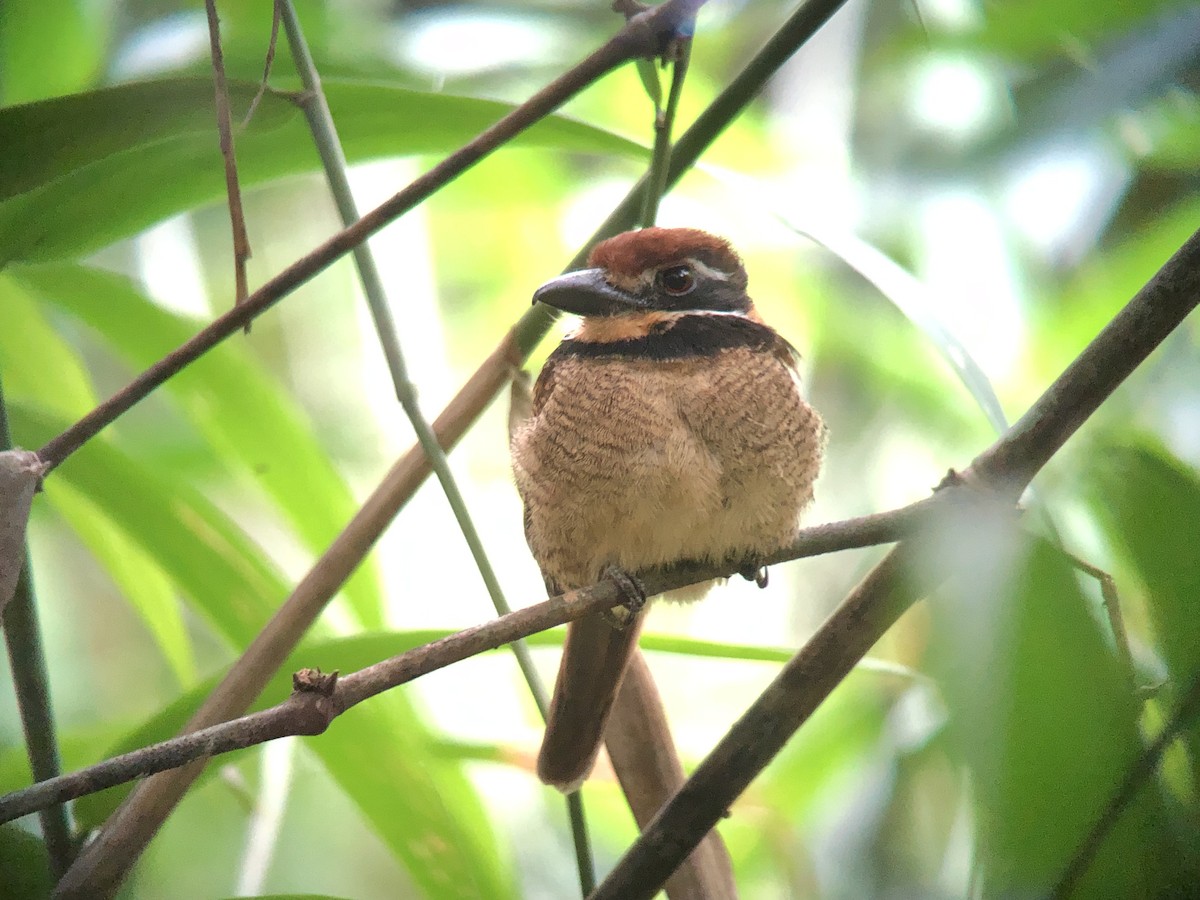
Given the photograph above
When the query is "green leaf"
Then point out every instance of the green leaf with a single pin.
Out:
(350, 752)
(647, 70)
(385, 759)
(50, 47)
(224, 573)
(239, 408)
(909, 296)
(828, 752)
(341, 654)
(39, 367)
(1041, 714)
(139, 577)
(1072, 317)
(419, 803)
(36, 362)
(25, 864)
(1148, 502)
(1172, 126)
(79, 172)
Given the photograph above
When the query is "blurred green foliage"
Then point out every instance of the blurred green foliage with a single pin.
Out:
(1032, 164)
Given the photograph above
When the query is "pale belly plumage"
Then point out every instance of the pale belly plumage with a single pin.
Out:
(642, 464)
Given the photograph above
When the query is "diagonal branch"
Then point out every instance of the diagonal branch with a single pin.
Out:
(999, 474)
(296, 716)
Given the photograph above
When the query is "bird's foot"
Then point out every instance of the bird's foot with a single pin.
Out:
(633, 597)
(756, 572)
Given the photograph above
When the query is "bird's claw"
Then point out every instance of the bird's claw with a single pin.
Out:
(633, 597)
(755, 572)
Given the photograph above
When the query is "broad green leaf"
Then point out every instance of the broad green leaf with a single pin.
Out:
(79, 172)
(850, 716)
(50, 47)
(420, 803)
(1043, 718)
(36, 363)
(1106, 283)
(223, 572)
(909, 296)
(1149, 504)
(340, 654)
(134, 571)
(1172, 126)
(821, 760)
(25, 864)
(39, 367)
(243, 412)
(385, 759)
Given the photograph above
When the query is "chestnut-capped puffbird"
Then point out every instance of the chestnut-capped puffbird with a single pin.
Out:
(669, 428)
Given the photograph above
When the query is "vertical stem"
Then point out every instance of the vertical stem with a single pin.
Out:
(237, 219)
(31, 684)
(663, 123)
(320, 120)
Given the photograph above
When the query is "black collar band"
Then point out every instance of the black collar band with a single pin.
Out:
(682, 337)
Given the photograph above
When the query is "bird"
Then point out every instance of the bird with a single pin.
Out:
(669, 428)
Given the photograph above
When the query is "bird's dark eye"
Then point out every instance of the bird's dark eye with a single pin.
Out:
(677, 280)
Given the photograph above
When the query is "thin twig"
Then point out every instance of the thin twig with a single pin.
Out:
(368, 682)
(31, 685)
(266, 76)
(998, 475)
(1112, 609)
(664, 121)
(639, 37)
(237, 218)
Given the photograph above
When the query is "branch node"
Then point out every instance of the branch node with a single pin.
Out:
(313, 702)
(314, 681)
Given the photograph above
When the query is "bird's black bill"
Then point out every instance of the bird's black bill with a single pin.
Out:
(586, 293)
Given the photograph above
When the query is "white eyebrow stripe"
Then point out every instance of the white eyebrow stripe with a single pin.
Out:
(708, 271)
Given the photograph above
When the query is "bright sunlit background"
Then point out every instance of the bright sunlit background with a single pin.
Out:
(927, 192)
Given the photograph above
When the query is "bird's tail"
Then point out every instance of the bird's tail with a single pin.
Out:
(594, 660)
